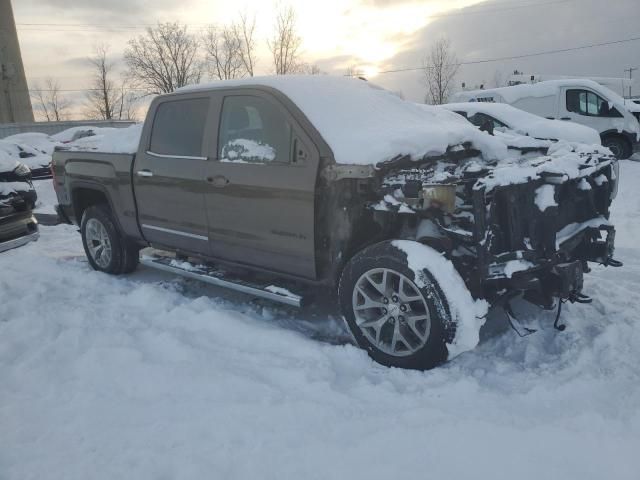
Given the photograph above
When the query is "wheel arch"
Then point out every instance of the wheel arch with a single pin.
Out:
(623, 136)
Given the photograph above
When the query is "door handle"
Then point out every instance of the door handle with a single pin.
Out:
(218, 181)
(144, 173)
(565, 118)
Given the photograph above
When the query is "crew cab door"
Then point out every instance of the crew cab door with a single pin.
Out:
(586, 107)
(169, 175)
(261, 186)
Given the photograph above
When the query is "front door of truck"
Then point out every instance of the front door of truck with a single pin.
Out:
(583, 106)
(261, 186)
(168, 175)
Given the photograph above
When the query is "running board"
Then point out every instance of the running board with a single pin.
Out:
(214, 276)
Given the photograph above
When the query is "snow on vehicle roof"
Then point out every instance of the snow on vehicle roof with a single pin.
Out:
(39, 141)
(108, 140)
(365, 124)
(8, 159)
(526, 123)
(542, 89)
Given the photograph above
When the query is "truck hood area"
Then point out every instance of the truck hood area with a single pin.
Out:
(531, 160)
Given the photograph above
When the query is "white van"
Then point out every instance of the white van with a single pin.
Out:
(580, 101)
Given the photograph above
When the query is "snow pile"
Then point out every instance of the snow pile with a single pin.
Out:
(244, 150)
(110, 140)
(151, 376)
(467, 313)
(546, 197)
(570, 160)
(8, 163)
(525, 123)
(40, 141)
(13, 152)
(13, 187)
(364, 124)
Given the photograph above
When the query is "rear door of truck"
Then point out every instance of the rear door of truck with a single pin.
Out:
(261, 184)
(169, 173)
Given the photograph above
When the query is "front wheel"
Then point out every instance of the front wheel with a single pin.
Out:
(620, 148)
(401, 321)
(106, 250)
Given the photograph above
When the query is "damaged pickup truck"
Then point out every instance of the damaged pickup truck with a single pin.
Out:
(298, 189)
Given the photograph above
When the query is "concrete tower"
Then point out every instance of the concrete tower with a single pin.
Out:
(15, 104)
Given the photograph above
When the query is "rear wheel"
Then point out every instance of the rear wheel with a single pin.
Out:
(619, 146)
(106, 249)
(399, 322)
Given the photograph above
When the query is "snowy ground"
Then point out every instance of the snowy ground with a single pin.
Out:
(153, 377)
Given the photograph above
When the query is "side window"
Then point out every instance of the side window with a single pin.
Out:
(584, 102)
(253, 130)
(178, 127)
(483, 120)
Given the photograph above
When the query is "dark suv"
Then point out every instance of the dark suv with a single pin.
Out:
(17, 200)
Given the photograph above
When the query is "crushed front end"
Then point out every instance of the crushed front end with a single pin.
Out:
(527, 226)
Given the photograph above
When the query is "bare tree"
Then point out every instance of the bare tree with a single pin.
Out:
(440, 68)
(285, 43)
(109, 98)
(223, 52)
(244, 30)
(352, 71)
(313, 69)
(164, 58)
(53, 106)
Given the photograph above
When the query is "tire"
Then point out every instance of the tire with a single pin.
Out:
(106, 249)
(618, 146)
(356, 290)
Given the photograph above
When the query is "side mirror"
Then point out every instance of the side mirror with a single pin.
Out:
(300, 154)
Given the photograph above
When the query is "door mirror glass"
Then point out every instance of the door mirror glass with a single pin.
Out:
(253, 130)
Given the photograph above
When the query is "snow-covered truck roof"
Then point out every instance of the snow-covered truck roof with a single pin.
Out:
(364, 124)
(526, 123)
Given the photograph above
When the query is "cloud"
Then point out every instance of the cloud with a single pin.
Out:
(505, 33)
(119, 7)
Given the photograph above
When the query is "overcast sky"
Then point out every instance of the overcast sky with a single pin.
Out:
(376, 35)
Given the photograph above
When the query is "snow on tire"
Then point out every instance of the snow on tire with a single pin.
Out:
(399, 322)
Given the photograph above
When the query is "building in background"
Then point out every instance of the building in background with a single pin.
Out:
(15, 104)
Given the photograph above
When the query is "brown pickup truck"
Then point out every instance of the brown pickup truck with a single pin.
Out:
(299, 189)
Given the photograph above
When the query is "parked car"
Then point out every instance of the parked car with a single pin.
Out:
(17, 200)
(38, 162)
(304, 188)
(505, 118)
(581, 101)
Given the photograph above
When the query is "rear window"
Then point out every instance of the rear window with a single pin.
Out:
(178, 127)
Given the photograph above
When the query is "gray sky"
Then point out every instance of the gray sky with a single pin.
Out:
(375, 35)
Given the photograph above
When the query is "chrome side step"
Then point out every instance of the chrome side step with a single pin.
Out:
(214, 276)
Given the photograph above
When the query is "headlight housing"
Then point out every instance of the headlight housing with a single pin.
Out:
(439, 196)
(22, 170)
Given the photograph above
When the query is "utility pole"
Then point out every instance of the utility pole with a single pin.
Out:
(630, 70)
(15, 104)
